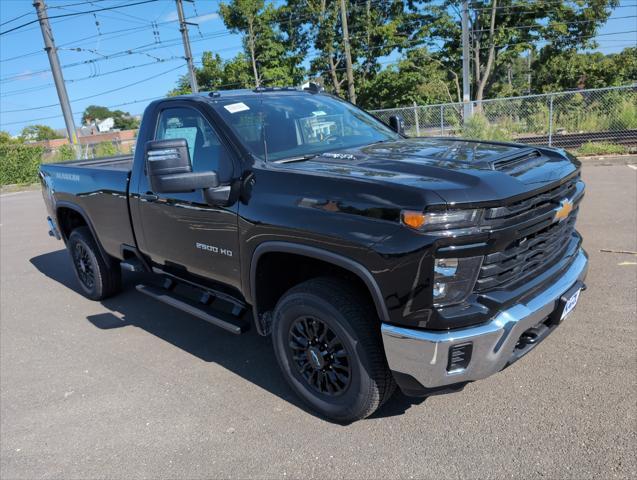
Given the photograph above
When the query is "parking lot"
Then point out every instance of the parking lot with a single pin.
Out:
(130, 388)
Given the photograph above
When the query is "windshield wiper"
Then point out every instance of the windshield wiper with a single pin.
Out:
(301, 158)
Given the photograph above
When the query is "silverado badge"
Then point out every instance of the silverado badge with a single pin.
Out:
(563, 211)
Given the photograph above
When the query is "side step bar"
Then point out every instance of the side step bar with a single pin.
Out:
(170, 299)
(132, 265)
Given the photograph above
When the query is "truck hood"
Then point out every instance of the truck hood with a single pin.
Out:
(459, 171)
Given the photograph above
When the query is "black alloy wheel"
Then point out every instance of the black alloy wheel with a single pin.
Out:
(99, 277)
(319, 356)
(326, 338)
(84, 265)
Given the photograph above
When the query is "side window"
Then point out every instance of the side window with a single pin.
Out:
(206, 150)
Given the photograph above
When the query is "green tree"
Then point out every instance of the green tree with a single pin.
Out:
(502, 31)
(236, 73)
(417, 78)
(215, 74)
(122, 120)
(274, 55)
(376, 30)
(570, 70)
(7, 139)
(39, 132)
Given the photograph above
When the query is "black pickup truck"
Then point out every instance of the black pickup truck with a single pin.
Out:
(372, 259)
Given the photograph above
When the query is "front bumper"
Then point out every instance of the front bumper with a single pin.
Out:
(421, 357)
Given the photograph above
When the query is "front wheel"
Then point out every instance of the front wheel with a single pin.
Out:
(327, 342)
(97, 279)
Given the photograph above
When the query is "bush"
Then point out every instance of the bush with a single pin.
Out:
(19, 163)
(626, 116)
(64, 153)
(479, 128)
(105, 149)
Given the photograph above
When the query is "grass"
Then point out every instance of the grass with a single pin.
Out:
(479, 128)
(601, 148)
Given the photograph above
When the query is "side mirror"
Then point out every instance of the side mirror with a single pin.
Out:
(169, 168)
(397, 124)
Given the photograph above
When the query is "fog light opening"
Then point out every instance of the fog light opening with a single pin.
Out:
(459, 357)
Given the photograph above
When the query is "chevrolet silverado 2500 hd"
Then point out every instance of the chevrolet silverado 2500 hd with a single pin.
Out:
(372, 259)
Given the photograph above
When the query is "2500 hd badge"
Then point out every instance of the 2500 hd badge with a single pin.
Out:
(214, 249)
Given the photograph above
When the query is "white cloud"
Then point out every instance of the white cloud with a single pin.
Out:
(204, 18)
(173, 16)
(30, 74)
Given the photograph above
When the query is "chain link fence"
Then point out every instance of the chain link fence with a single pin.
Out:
(564, 119)
(88, 149)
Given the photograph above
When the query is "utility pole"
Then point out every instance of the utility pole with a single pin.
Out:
(58, 78)
(529, 63)
(466, 88)
(183, 28)
(351, 92)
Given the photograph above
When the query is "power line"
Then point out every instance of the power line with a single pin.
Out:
(134, 30)
(104, 34)
(142, 49)
(581, 38)
(110, 72)
(154, 46)
(50, 17)
(16, 18)
(219, 34)
(477, 6)
(58, 116)
(551, 24)
(122, 87)
(51, 7)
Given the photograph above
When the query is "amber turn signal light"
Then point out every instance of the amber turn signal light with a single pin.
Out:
(413, 219)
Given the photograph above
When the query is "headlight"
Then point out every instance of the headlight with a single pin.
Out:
(454, 279)
(445, 223)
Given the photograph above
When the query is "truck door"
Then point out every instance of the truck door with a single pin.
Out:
(180, 231)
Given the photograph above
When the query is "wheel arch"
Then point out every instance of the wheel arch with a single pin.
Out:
(317, 254)
(62, 215)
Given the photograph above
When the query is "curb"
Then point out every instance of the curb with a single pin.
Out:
(606, 160)
(14, 188)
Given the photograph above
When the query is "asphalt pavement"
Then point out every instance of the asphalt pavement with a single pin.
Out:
(130, 388)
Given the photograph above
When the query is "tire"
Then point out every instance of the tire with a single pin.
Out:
(344, 376)
(97, 279)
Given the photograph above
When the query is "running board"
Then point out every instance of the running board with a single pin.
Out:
(171, 299)
(132, 265)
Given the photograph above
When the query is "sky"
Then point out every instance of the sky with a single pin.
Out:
(126, 81)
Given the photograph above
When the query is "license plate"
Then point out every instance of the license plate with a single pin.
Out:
(570, 305)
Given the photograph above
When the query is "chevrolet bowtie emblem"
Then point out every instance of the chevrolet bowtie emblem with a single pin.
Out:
(563, 211)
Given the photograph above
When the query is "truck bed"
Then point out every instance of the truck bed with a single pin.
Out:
(96, 188)
(119, 163)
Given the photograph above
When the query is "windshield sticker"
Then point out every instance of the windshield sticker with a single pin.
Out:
(319, 113)
(340, 156)
(236, 107)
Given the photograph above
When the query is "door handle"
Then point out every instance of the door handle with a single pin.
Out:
(148, 197)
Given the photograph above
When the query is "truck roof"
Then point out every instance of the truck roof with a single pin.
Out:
(246, 92)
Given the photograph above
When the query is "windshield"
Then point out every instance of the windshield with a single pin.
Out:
(293, 126)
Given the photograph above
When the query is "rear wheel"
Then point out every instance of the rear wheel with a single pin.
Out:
(98, 280)
(327, 342)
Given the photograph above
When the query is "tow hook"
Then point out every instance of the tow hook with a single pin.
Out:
(532, 336)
